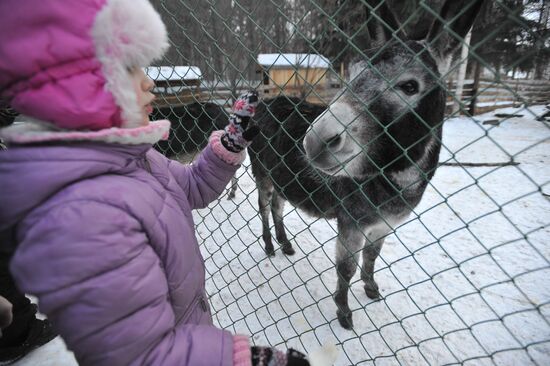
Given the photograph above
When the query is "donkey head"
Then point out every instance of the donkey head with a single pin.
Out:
(392, 108)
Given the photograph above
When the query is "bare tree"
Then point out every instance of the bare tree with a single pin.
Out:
(543, 32)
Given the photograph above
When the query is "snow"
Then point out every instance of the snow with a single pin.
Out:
(465, 280)
(159, 73)
(493, 103)
(173, 73)
(174, 89)
(323, 356)
(307, 60)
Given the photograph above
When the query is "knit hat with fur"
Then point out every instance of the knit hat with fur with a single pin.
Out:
(66, 62)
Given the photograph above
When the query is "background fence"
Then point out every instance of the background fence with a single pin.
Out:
(466, 279)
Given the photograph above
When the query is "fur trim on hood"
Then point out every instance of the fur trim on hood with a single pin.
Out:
(32, 131)
(66, 62)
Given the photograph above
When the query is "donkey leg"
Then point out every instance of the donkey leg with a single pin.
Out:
(277, 207)
(375, 240)
(265, 191)
(349, 243)
(370, 253)
(233, 188)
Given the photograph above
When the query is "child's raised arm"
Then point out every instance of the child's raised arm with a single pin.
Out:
(206, 178)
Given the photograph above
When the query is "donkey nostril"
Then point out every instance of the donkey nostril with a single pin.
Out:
(333, 141)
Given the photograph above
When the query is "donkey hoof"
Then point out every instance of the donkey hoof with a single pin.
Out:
(345, 319)
(270, 251)
(288, 249)
(372, 292)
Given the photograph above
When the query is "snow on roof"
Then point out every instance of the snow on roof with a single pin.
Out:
(293, 59)
(158, 73)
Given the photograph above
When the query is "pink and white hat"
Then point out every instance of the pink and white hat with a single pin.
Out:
(66, 62)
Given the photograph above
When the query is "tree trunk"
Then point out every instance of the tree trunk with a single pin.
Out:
(215, 54)
(461, 73)
(477, 76)
(541, 60)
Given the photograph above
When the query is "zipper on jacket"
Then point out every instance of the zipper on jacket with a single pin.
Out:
(147, 165)
(204, 306)
(143, 163)
(198, 301)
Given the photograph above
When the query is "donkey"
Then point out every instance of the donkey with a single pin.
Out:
(368, 157)
(191, 126)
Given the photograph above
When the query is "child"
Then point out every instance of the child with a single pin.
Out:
(24, 332)
(21, 331)
(99, 223)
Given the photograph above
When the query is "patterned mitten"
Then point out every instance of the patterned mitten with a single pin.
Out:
(265, 356)
(240, 131)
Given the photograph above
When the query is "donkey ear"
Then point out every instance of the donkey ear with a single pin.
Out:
(451, 26)
(382, 23)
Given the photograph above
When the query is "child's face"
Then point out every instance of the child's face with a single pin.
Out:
(143, 85)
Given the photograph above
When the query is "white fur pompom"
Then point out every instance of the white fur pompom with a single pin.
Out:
(131, 31)
(127, 33)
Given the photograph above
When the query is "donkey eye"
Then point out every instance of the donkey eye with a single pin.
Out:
(410, 87)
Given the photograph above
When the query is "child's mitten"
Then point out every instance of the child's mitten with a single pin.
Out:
(240, 131)
(266, 356)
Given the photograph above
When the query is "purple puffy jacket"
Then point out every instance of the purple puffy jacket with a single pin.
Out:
(103, 236)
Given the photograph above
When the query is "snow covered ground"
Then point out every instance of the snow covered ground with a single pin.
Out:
(465, 280)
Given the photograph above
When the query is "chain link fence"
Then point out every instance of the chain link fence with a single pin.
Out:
(465, 279)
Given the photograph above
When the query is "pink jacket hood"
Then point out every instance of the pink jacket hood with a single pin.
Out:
(65, 62)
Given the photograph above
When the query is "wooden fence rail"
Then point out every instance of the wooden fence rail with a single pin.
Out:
(489, 94)
(494, 94)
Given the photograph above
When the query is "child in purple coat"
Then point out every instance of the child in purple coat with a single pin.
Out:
(98, 223)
